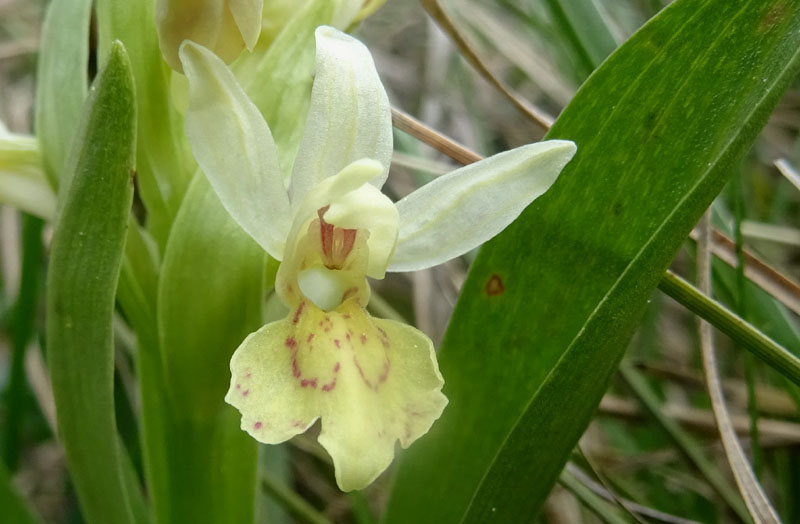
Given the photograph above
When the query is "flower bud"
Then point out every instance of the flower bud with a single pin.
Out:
(223, 26)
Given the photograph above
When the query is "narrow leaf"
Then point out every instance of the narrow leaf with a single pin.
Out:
(86, 256)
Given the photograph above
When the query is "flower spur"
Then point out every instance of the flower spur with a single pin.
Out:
(371, 381)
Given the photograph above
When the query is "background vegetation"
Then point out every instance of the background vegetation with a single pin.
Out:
(701, 103)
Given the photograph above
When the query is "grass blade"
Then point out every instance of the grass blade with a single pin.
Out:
(739, 330)
(757, 502)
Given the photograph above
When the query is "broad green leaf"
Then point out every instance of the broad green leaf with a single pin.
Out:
(549, 306)
(209, 298)
(163, 162)
(86, 256)
(61, 80)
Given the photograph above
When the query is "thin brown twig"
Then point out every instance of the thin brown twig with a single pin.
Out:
(777, 432)
(780, 286)
(445, 145)
(446, 23)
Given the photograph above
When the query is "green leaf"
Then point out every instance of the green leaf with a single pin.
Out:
(209, 298)
(86, 256)
(549, 306)
(61, 84)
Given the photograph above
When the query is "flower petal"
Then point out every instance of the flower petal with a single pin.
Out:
(403, 407)
(247, 14)
(234, 147)
(461, 210)
(274, 405)
(372, 382)
(349, 117)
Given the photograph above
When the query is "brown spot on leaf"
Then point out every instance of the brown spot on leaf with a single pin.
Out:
(494, 286)
(773, 17)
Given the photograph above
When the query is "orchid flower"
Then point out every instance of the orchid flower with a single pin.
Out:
(371, 381)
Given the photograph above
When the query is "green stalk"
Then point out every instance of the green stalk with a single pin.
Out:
(732, 325)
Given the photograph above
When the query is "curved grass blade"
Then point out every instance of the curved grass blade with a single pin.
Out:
(757, 502)
(436, 12)
(539, 331)
(86, 256)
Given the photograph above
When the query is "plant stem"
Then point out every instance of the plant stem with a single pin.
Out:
(732, 325)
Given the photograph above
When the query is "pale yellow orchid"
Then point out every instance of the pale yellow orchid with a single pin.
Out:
(371, 381)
